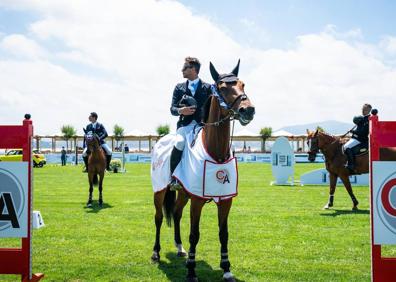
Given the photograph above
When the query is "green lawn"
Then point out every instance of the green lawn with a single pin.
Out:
(276, 233)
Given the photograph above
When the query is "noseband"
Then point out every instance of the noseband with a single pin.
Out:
(232, 114)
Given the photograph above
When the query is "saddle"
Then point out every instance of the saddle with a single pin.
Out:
(360, 149)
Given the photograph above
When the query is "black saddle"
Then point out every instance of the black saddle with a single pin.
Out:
(360, 149)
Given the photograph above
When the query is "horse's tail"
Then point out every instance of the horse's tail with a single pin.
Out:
(169, 205)
(95, 180)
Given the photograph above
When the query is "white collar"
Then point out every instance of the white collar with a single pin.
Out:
(193, 81)
(94, 124)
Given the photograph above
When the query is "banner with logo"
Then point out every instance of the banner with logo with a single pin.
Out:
(220, 180)
(384, 203)
(13, 199)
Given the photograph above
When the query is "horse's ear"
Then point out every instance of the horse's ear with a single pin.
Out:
(316, 132)
(213, 72)
(85, 131)
(236, 69)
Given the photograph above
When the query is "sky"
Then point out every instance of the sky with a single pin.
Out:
(301, 61)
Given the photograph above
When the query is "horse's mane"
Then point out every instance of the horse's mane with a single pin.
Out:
(206, 109)
(333, 137)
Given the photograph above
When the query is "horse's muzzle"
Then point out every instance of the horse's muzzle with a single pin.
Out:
(245, 115)
(311, 156)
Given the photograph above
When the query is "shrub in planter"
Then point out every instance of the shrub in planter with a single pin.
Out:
(115, 165)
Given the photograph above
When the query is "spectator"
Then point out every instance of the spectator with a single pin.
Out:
(63, 156)
(126, 148)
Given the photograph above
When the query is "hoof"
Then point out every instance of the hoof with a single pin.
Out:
(192, 279)
(355, 208)
(228, 277)
(100, 204)
(326, 207)
(89, 205)
(155, 258)
(181, 254)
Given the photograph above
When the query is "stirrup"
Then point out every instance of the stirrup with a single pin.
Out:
(175, 185)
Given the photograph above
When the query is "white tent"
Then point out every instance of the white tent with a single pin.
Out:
(137, 132)
(245, 132)
(281, 133)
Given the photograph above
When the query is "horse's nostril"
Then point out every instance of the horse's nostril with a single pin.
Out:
(250, 110)
(242, 110)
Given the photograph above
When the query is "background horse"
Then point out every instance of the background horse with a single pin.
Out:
(335, 160)
(96, 166)
(216, 138)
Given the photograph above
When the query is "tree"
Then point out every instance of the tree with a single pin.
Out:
(265, 133)
(320, 129)
(68, 131)
(118, 132)
(163, 130)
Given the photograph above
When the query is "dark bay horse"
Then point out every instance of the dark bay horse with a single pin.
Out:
(96, 166)
(335, 160)
(216, 138)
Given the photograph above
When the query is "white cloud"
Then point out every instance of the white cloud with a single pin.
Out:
(388, 43)
(22, 47)
(138, 49)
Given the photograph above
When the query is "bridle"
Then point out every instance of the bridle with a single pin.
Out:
(232, 114)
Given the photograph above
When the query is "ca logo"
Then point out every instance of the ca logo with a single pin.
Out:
(386, 203)
(6, 203)
(222, 176)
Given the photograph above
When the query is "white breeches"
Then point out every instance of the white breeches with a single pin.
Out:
(181, 135)
(351, 143)
(105, 147)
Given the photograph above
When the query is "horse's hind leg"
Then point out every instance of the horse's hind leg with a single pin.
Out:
(181, 202)
(101, 176)
(333, 184)
(158, 202)
(223, 209)
(195, 215)
(348, 187)
(90, 179)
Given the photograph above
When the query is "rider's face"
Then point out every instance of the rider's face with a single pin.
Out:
(366, 110)
(91, 118)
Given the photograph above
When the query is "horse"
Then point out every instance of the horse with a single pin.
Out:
(216, 139)
(96, 166)
(335, 160)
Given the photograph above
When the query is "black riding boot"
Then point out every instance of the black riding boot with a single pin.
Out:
(108, 159)
(174, 161)
(351, 160)
(86, 163)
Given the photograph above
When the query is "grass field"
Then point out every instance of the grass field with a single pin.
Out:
(275, 233)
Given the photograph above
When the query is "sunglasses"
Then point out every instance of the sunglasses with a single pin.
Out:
(187, 67)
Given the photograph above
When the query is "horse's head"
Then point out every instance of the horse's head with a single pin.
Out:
(92, 140)
(231, 91)
(313, 144)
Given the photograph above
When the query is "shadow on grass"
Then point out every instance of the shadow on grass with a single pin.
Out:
(95, 207)
(175, 269)
(335, 213)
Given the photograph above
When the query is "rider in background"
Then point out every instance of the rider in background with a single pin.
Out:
(98, 129)
(188, 99)
(359, 135)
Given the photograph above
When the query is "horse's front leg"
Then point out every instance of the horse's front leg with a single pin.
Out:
(348, 187)
(101, 176)
(223, 209)
(90, 180)
(333, 185)
(195, 215)
(181, 201)
(158, 202)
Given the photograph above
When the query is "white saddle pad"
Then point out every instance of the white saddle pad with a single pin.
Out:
(202, 176)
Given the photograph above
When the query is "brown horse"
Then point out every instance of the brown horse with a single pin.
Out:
(96, 166)
(335, 160)
(216, 138)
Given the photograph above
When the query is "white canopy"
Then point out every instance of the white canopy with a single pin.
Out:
(245, 132)
(281, 133)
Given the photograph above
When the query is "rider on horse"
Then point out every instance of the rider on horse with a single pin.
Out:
(188, 99)
(359, 135)
(98, 129)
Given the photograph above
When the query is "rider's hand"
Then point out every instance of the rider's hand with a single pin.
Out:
(187, 111)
